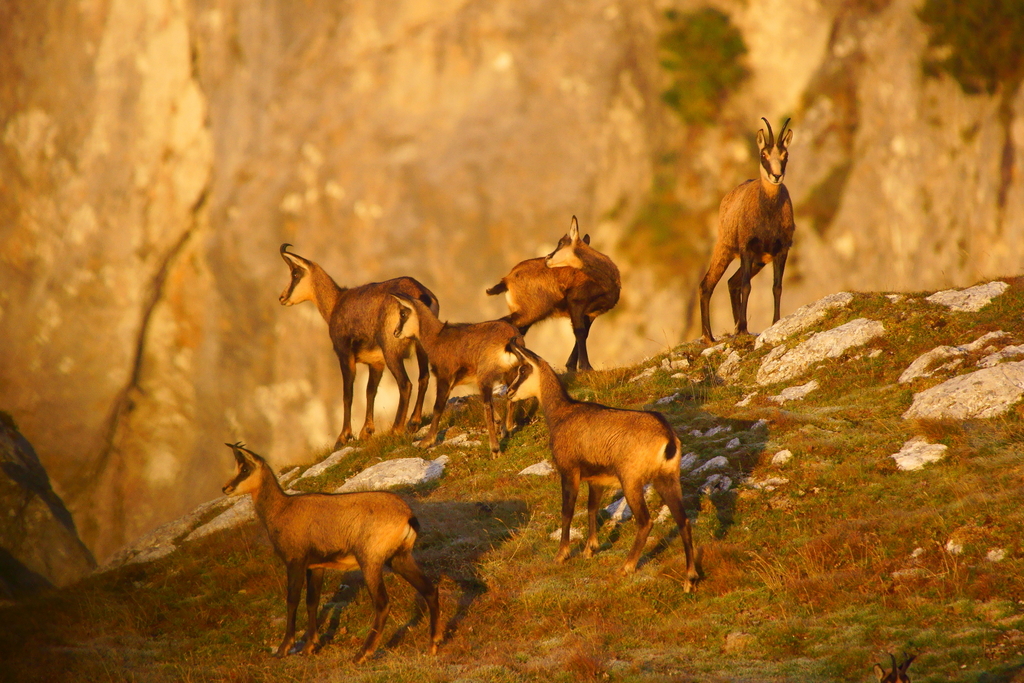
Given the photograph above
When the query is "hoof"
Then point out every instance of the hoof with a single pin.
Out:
(627, 569)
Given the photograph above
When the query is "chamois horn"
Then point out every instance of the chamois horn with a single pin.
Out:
(771, 135)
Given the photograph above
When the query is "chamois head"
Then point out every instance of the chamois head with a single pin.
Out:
(526, 383)
(408, 325)
(898, 674)
(248, 471)
(774, 153)
(565, 251)
(301, 286)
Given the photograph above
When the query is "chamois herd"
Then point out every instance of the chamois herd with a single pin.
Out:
(381, 324)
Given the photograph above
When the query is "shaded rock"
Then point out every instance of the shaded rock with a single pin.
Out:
(745, 401)
(917, 452)
(998, 357)
(714, 349)
(733, 443)
(769, 484)
(795, 393)
(716, 463)
(238, 514)
(716, 483)
(922, 365)
(665, 400)
(729, 370)
(981, 394)
(688, 461)
(541, 469)
(824, 345)
(463, 441)
(618, 510)
(328, 462)
(398, 472)
(39, 544)
(802, 318)
(644, 374)
(574, 534)
(969, 300)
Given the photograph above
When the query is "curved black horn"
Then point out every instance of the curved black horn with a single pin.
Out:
(895, 667)
(771, 135)
(782, 132)
(284, 247)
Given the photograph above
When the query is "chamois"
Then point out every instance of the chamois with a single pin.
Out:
(898, 674)
(755, 222)
(574, 280)
(311, 532)
(460, 353)
(359, 319)
(601, 446)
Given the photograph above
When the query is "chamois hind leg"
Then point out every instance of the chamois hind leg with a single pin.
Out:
(736, 289)
(747, 265)
(422, 382)
(779, 265)
(486, 393)
(296, 577)
(348, 378)
(405, 566)
(579, 359)
(314, 584)
(570, 489)
(720, 260)
(373, 574)
(372, 384)
(593, 501)
(443, 390)
(396, 365)
(672, 495)
(635, 497)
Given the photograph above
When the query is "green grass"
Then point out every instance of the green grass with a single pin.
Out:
(819, 571)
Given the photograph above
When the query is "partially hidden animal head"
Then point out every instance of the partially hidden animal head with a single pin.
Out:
(898, 673)
(408, 323)
(248, 471)
(300, 288)
(774, 153)
(565, 254)
(526, 383)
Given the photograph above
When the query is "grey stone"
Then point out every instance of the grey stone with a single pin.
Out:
(998, 357)
(238, 514)
(716, 463)
(819, 347)
(398, 472)
(782, 457)
(328, 462)
(922, 365)
(802, 318)
(795, 393)
(985, 393)
(541, 469)
(917, 452)
(969, 300)
(716, 483)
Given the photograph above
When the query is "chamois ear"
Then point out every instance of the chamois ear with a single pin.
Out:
(760, 139)
(906, 665)
(586, 238)
(574, 230)
(879, 672)
(405, 302)
(786, 139)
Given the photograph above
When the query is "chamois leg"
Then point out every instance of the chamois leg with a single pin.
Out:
(672, 495)
(443, 389)
(579, 359)
(635, 497)
(779, 265)
(296, 577)
(747, 271)
(373, 574)
(314, 584)
(593, 501)
(720, 260)
(486, 393)
(372, 384)
(405, 566)
(736, 285)
(396, 365)
(348, 378)
(570, 488)
(422, 382)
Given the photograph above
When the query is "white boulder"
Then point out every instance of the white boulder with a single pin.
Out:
(998, 357)
(802, 318)
(985, 393)
(541, 469)
(781, 367)
(917, 452)
(327, 463)
(397, 472)
(969, 300)
(795, 393)
(922, 365)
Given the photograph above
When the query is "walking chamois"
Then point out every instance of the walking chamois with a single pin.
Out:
(755, 222)
(311, 532)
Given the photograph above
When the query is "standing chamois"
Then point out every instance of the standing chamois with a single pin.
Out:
(359, 320)
(311, 532)
(755, 222)
(898, 674)
(461, 353)
(603, 446)
(574, 280)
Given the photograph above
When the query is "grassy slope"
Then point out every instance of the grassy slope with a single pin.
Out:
(815, 570)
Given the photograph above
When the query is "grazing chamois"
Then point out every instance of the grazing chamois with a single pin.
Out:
(460, 353)
(311, 532)
(603, 446)
(898, 674)
(574, 280)
(755, 222)
(360, 320)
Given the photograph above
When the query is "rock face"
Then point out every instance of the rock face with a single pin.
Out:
(155, 155)
(782, 365)
(989, 392)
(39, 545)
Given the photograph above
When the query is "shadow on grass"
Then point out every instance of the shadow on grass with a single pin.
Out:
(1003, 674)
(453, 537)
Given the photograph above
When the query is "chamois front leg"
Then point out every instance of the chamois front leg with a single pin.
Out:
(405, 566)
(579, 358)
(440, 401)
(720, 260)
(746, 272)
(314, 584)
(373, 573)
(372, 383)
(348, 377)
(570, 488)
(635, 497)
(735, 289)
(672, 495)
(422, 382)
(396, 364)
(296, 577)
(593, 501)
(486, 393)
(779, 265)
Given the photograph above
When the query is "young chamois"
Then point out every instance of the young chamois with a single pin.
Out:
(311, 532)
(603, 446)
(898, 674)
(755, 222)
(460, 353)
(360, 320)
(574, 280)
